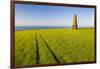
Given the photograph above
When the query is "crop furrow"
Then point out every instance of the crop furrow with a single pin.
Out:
(37, 51)
(53, 54)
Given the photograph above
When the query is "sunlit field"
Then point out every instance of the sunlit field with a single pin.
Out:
(54, 46)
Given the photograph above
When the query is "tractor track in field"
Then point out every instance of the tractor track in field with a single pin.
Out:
(37, 51)
(51, 51)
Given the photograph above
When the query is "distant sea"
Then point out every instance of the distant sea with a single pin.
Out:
(18, 28)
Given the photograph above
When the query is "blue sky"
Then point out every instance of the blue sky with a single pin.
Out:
(40, 15)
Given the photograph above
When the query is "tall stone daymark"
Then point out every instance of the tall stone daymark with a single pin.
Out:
(74, 25)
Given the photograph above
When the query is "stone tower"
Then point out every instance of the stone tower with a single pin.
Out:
(74, 25)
